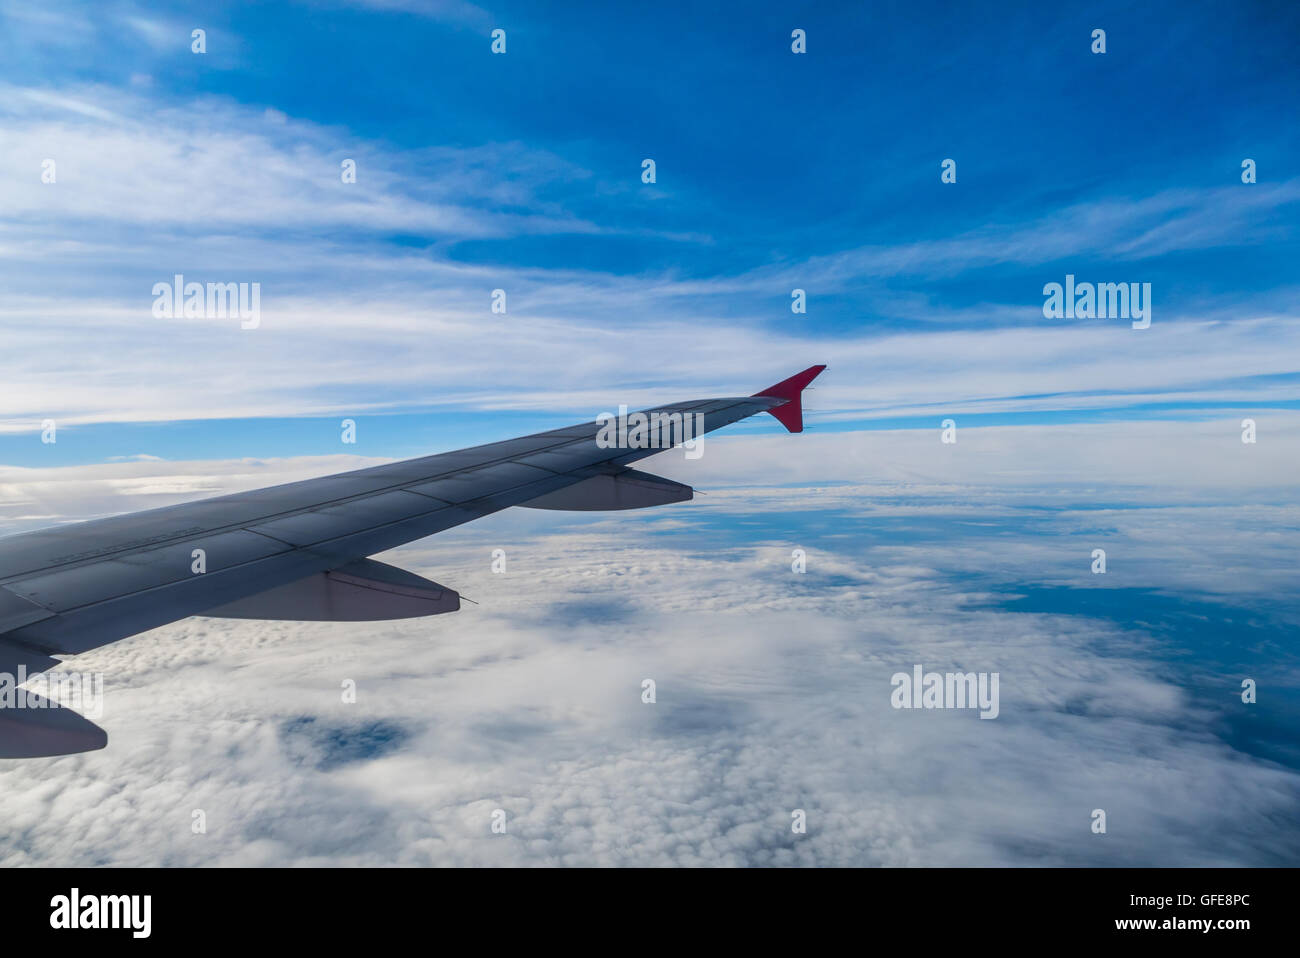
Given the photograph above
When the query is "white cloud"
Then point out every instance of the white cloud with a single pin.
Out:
(457, 12)
(773, 695)
(773, 688)
(351, 323)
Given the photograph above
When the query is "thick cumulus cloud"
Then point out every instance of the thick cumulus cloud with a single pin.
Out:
(772, 695)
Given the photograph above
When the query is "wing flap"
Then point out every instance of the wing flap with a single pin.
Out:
(65, 589)
(17, 611)
(319, 525)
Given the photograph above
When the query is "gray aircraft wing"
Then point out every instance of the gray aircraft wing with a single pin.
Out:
(299, 551)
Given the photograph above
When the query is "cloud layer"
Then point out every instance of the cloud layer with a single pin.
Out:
(773, 694)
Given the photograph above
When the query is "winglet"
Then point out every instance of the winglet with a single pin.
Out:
(790, 413)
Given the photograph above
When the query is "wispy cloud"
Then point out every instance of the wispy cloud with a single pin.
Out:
(458, 12)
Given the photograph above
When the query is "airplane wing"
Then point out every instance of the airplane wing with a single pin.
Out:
(299, 551)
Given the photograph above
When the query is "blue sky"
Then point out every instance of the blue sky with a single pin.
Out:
(522, 171)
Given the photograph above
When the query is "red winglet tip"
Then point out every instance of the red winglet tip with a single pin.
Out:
(790, 413)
